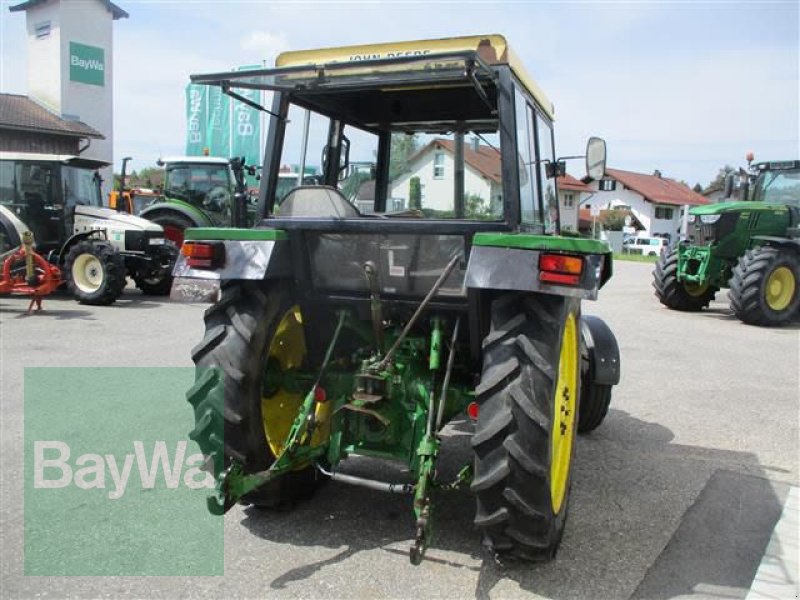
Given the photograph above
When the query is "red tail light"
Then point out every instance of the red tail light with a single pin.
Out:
(560, 269)
(203, 255)
(473, 410)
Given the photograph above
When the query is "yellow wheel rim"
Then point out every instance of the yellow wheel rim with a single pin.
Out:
(695, 290)
(780, 288)
(287, 349)
(564, 414)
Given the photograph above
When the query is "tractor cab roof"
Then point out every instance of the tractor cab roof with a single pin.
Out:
(374, 85)
(207, 160)
(777, 165)
(67, 159)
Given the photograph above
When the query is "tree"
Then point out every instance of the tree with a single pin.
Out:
(414, 193)
(719, 180)
(698, 188)
(476, 207)
(402, 148)
(614, 220)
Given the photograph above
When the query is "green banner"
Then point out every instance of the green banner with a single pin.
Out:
(113, 484)
(86, 64)
(246, 137)
(218, 124)
(196, 117)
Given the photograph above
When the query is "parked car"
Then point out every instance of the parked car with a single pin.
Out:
(646, 246)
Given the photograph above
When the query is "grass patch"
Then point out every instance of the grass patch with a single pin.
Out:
(635, 258)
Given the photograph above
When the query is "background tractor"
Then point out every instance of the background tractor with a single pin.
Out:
(342, 333)
(58, 199)
(751, 246)
(198, 191)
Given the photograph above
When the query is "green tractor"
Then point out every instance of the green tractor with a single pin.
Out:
(340, 333)
(198, 191)
(751, 246)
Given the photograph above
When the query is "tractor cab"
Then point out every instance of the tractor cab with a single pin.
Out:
(43, 191)
(777, 182)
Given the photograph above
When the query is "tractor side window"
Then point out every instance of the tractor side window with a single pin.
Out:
(298, 150)
(546, 155)
(357, 180)
(81, 186)
(7, 192)
(782, 187)
(36, 184)
(528, 196)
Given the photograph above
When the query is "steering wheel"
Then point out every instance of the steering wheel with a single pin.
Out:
(217, 199)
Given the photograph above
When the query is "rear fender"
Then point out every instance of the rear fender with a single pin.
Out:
(250, 254)
(97, 234)
(511, 262)
(197, 217)
(603, 350)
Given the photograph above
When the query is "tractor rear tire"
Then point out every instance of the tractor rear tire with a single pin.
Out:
(764, 286)
(226, 396)
(675, 294)
(528, 390)
(95, 273)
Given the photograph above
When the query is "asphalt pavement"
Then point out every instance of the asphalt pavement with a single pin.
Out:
(676, 494)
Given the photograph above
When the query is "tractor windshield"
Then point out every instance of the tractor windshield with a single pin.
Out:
(81, 186)
(778, 186)
(206, 185)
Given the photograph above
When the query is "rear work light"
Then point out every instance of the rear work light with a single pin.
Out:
(560, 269)
(204, 255)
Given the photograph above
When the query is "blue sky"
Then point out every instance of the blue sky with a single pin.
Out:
(681, 87)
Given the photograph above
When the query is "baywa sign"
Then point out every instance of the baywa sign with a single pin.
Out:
(86, 64)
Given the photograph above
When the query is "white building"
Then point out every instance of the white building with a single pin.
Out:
(70, 65)
(659, 204)
(434, 164)
(571, 194)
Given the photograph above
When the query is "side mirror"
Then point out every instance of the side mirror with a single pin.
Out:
(596, 157)
(728, 191)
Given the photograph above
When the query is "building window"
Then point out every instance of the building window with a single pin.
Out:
(438, 165)
(42, 30)
(663, 213)
(569, 200)
(607, 185)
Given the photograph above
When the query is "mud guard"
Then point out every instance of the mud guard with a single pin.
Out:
(604, 363)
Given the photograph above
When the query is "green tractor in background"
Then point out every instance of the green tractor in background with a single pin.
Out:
(751, 246)
(339, 332)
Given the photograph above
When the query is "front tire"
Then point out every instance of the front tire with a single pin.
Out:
(675, 294)
(524, 437)
(95, 273)
(764, 286)
(227, 395)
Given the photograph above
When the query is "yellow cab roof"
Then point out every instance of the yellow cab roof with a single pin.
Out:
(493, 49)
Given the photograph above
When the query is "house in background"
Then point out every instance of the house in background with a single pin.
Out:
(571, 193)
(658, 203)
(434, 164)
(27, 126)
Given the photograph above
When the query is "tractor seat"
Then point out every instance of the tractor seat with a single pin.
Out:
(318, 201)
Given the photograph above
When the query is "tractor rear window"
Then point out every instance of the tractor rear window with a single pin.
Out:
(423, 180)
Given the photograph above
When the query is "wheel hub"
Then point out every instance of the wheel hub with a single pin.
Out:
(87, 273)
(780, 288)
